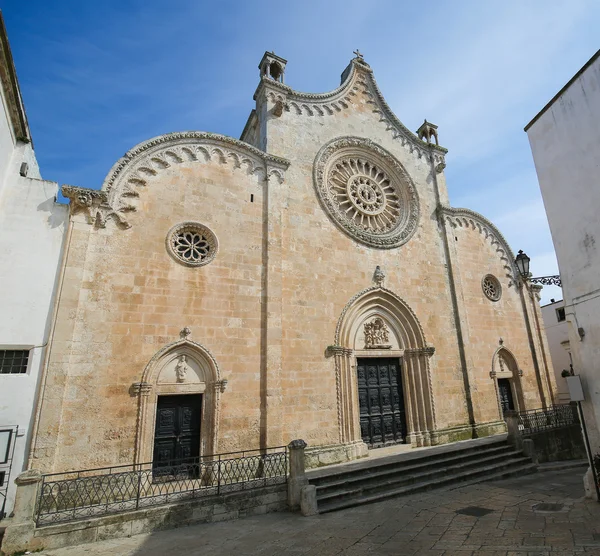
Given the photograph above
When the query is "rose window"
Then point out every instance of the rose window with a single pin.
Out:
(491, 287)
(364, 195)
(366, 191)
(192, 244)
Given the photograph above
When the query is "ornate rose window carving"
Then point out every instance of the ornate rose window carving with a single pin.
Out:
(192, 244)
(491, 287)
(367, 192)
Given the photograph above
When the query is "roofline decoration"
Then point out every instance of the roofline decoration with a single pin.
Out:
(12, 91)
(358, 75)
(149, 158)
(470, 219)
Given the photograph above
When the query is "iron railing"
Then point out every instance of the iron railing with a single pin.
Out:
(89, 493)
(555, 417)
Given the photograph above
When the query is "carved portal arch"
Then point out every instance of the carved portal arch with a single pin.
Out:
(398, 333)
(504, 365)
(183, 367)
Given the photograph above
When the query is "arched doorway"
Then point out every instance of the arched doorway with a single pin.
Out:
(178, 404)
(507, 381)
(382, 372)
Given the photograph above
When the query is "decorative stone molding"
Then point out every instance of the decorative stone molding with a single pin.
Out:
(418, 389)
(368, 293)
(185, 333)
(331, 351)
(466, 218)
(148, 159)
(366, 192)
(357, 78)
(94, 204)
(221, 385)
(424, 351)
(141, 388)
(377, 334)
(379, 277)
(211, 385)
(192, 244)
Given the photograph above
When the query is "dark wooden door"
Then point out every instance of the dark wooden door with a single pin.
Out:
(506, 397)
(381, 401)
(177, 432)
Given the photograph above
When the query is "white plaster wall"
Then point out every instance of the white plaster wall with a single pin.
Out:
(565, 141)
(556, 333)
(32, 228)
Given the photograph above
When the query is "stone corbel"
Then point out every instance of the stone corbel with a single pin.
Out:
(331, 351)
(141, 388)
(221, 385)
(427, 351)
(88, 201)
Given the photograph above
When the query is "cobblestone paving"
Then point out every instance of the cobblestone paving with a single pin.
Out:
(425, 524)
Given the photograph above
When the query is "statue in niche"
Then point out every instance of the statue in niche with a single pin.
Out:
(377, 335)
(181, 369)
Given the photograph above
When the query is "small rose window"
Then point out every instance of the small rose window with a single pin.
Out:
(491, 287)
(192, 244)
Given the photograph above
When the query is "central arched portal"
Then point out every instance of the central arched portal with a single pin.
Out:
(382, 372)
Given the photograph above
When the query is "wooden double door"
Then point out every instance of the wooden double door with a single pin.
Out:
(177, 431)
(381, 401)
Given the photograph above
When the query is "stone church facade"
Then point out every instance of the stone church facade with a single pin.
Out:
(309, 280)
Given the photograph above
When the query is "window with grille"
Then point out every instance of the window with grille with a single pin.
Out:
(560, 314)
(13, 361)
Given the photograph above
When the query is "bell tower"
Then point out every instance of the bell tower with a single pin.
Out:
(272, 66)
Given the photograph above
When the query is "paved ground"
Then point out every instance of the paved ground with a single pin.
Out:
(430, 523)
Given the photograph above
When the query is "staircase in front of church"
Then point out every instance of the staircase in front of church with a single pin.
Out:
(375, 479)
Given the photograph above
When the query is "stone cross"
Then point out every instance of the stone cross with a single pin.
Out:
(358, 54)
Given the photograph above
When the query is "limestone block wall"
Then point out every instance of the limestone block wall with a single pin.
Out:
(489, 325)
(323, 268)
(124, 298)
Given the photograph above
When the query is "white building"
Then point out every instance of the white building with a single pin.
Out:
(557, 332)
(32, 228)
(565, 141)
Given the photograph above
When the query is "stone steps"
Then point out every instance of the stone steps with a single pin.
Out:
(371, 481)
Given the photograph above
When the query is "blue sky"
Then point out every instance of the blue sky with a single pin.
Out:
(99, 77)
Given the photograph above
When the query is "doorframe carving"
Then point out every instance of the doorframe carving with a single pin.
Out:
(414, 354)
(148, 389)
(513, 373)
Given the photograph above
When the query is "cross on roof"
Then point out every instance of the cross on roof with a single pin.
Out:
(358, 54)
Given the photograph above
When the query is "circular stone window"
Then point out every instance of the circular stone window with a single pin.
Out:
(367, 192)
(192, 244)
(491, 287)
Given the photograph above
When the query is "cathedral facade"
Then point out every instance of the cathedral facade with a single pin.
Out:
(309, 280)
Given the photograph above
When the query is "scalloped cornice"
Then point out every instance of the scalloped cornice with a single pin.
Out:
(466, 218)
(145, 161)
(359, 78)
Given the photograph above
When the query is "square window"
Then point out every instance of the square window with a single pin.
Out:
(13, 361)
(560, 314)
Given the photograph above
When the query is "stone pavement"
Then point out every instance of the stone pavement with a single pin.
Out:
(499, 518)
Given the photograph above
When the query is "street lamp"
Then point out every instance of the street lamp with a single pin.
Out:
(522, 262)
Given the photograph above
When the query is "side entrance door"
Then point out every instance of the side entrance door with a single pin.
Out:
(381, 400)
(506, 397)
(177, 431)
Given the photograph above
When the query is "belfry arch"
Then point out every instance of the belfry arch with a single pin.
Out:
(405, 341)
(178, 369)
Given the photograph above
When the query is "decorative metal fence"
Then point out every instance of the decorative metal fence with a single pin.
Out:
(89, 493)
(555, 417)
